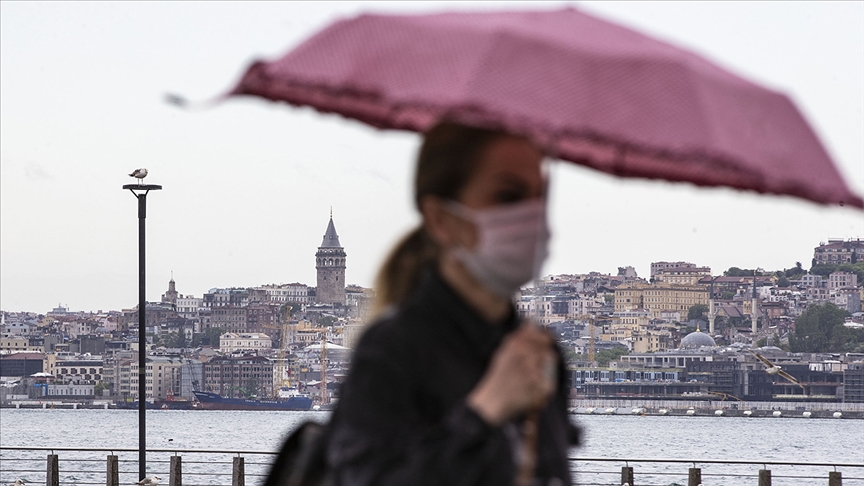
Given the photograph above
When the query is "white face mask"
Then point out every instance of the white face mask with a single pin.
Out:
(513, 243)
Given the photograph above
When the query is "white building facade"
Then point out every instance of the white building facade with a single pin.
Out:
(252, 342)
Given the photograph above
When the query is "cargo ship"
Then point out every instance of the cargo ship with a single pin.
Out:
(214, 401)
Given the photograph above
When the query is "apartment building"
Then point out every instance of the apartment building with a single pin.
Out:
(162, 373)
(659, 297)
(657, 267)
(838, 251)
(250, 342)
(79, 370)
(842, 280)
(229, 319)
(238, 376)
(682, 275)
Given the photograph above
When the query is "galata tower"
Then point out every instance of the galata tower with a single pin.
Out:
(330, 263)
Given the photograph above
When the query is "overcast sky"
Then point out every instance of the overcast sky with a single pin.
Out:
(248, 185)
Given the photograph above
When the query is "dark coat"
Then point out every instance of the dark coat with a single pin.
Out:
(402, 417)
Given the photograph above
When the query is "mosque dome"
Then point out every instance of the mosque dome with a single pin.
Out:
(696, 340)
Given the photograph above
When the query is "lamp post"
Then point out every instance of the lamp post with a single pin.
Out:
(140, 192)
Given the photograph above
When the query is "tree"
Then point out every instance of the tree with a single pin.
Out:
(253, 387)
(795, 271)
(697, 311)
(820, 329)
(823, 269)
(100, 388)
(196, 340)
(570, 355)
(209, 337)
(727, 295)
(213, 335)
(741, 272)
(783, 281)
(174, 340)
(327, 321)
(604, 357)
(856, 268)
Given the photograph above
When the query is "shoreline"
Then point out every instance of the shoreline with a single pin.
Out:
(715, 408)
(714, 412)
(595, 407)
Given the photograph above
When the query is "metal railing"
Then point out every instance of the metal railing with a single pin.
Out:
(667, 471)
(54, 466)
(221, 467)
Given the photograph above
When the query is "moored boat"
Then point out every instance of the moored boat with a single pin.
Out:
(174, 404)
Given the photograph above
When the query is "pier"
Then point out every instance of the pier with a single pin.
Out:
(716, 408)
(192, 467)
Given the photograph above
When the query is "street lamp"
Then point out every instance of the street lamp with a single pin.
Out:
(140, 192)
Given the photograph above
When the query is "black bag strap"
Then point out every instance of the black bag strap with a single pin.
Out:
(302, 460)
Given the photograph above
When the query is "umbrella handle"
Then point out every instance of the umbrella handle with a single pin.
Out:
(530, 450)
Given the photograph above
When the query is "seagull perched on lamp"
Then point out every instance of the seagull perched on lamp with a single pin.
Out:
(773, 369)
(152, 480)
(139, 174)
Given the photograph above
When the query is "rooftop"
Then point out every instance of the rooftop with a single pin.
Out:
(331, 239)
(696, 340)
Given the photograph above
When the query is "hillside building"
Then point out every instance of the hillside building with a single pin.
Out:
(838, 251)
(657, 267)
(658, 298)
(250, 342)
(682, 275)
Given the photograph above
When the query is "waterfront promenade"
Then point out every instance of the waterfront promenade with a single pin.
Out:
(741, 446)
(621, 406)
(213, 467)
(717, 408)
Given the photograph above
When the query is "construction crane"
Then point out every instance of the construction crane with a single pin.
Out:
(280, 379)
(590, 319)
(724, 395)
(324, 398)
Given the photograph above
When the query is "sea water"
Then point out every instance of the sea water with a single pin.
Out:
(604, 436)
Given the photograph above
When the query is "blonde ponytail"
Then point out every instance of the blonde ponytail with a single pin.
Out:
(401, 271)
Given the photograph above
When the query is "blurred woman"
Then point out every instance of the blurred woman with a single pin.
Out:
(443, 380)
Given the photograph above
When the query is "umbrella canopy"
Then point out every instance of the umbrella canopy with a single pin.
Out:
(586, 90)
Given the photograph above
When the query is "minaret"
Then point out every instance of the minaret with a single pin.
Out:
(754, 315)
(330, 264)
(711, 314)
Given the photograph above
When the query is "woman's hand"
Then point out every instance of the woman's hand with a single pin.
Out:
(520, 378)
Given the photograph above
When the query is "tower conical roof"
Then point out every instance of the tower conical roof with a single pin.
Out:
(331, 239)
